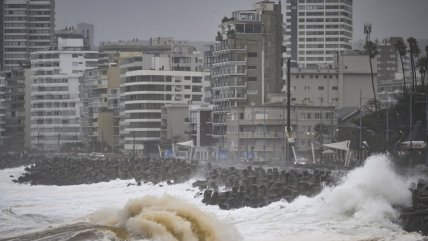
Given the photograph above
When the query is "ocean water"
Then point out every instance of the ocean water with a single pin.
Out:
(361, 207)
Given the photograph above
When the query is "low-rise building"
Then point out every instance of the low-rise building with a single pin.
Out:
(173, 128)
(259, 132)
(338, 87)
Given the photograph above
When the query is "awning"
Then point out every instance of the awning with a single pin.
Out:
(185, 143)
(343, 145)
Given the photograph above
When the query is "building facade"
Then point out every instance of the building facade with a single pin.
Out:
(16, 119)
(100, 113)
(199, 125)
(317, 30)
(338, 87)
(3, 135)
(88, 31)
(28, 26)
(55, 97)
(144, 93)
(173, 118)
(258, 132)
(246, 64)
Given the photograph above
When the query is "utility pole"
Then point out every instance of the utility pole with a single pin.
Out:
(288, 106)
(411, 125)
(322, 130)
(133, 143)
(387, 125)
(252, 132)
(361, 130)
(264, 131)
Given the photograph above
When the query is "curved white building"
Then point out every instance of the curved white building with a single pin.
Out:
(144, 92)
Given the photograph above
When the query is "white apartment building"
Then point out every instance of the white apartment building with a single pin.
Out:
(144, 93)
(27, 26)
(55, 96)
(316, 30)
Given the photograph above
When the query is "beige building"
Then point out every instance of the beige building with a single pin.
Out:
(100, 113)
(173, 127)
(258, 132)
(246, 63)
(337, 87)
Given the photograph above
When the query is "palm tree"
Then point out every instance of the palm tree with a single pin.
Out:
(402, 50)
(372, 51)
(414, 52)
(422, 64)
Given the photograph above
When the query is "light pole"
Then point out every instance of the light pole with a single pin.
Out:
(288, 106)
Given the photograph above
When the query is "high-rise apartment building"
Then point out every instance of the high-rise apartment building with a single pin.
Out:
(317, 30)
(55, 96)
(16, 119)
(27, 26)
(246, 64)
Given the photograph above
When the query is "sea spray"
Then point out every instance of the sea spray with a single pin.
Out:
(370, 193)
(165, 219)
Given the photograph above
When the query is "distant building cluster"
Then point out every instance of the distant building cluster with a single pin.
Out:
(61, 93)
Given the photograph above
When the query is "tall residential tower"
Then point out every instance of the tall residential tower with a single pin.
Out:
(27, 26)
(246, 64)
(317, 30)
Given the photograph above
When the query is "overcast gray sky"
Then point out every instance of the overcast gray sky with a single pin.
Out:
(199, 19)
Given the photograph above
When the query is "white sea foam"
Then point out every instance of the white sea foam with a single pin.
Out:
(361, 207)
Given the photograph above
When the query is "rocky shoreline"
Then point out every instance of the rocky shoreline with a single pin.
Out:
(258, 187)
(74, 171)
(229, 187)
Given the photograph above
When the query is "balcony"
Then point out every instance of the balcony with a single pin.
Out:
(229, 45)
(255, 135)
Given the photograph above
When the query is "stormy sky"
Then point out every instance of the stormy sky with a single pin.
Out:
(199, 19)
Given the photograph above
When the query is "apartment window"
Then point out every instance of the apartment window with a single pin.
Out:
(320, 87)
(308, 116)
(317, 116)
(75, 64)
(251, 67)
(252, 54)
(74, 55)
(196, 79)
(252, 78)
(334, 88)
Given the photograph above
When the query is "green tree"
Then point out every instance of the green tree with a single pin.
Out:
(402, 51)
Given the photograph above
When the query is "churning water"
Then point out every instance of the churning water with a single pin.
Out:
(363, 206)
